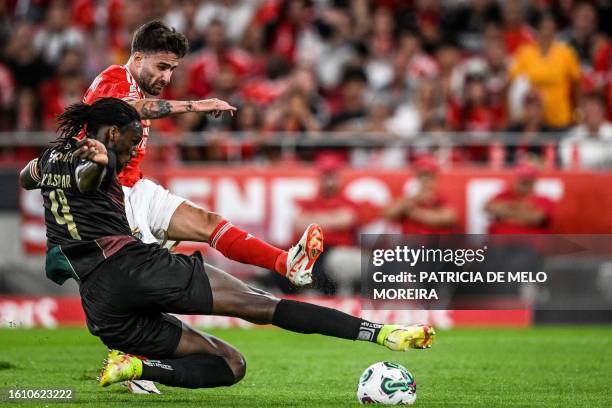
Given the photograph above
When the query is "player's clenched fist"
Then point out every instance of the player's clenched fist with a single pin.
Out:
(92, 150)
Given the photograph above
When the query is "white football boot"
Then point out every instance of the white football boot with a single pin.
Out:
(302, 256)
(141, 387)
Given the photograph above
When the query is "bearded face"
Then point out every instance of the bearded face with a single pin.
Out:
(154, 70)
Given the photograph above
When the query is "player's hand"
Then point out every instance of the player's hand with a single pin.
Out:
(92, 150)
(215, 107)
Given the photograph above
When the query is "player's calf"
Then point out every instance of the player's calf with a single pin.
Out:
(194, 342)
(234, 298)
(308, 318)
(199, 361)
(194, 371)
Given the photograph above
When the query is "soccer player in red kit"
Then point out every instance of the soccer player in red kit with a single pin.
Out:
(155, 214)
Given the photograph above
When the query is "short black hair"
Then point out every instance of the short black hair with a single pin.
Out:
(103, 112)
(155, 36)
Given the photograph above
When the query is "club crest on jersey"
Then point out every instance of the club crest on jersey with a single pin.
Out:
(133, 92)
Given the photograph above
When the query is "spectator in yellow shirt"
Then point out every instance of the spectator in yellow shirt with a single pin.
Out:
(552, 68)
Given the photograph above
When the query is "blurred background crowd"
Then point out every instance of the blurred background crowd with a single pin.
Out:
(385, 70)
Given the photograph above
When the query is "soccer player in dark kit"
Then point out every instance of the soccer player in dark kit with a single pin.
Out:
(128, 287)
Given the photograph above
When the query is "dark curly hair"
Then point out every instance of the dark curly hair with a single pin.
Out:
(155, 36)
(103, 112)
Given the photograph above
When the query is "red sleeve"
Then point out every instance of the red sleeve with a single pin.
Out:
(110, 87)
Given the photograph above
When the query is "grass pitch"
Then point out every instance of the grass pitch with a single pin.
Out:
(544, 366)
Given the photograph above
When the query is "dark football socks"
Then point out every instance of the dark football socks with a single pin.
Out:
(194, 371)
(307, 318)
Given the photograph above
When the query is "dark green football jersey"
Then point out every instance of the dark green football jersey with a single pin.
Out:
(83, 229)
(71, 215)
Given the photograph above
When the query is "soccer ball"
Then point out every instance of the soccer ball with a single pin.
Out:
(386, 383)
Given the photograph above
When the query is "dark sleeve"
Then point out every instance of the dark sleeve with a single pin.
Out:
(111, 169)
(43, 160)
(34, 170)
(109, 175)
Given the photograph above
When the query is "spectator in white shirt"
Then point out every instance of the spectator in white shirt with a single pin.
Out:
(589, 145)
(57, 34)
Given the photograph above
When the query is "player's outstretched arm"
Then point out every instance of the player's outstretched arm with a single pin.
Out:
(91, 172)
(160, 108)
(29, 177)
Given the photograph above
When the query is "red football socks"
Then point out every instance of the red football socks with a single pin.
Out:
(240, 246)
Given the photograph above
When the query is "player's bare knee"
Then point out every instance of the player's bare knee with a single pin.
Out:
(208, 221)
(235, 361)
(193, 223)
(237, 364)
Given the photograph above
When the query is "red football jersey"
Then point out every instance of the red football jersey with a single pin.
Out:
(117, 82)
(411, 226)
(542, 203)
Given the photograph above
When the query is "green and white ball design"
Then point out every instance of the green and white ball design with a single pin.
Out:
(386, 383)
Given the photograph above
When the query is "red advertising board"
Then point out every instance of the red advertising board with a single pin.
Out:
(51, 312)
(263, 200)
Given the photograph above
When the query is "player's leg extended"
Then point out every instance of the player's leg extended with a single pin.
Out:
(191, 223)
(138, 210)
(233, 297)
(200, 361)
(158, 215)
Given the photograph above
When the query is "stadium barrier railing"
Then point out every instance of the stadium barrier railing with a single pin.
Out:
(493, 149)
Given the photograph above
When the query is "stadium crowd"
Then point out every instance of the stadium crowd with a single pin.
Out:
(390, 68)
